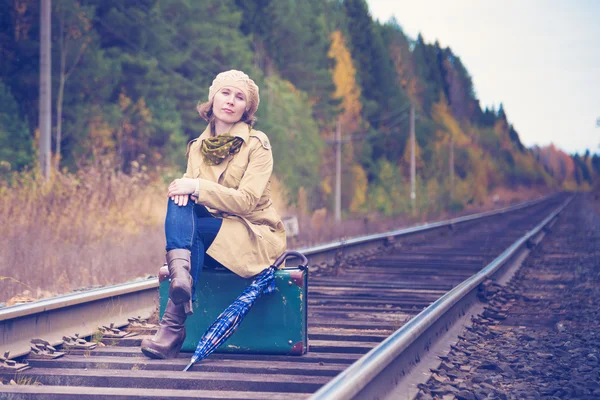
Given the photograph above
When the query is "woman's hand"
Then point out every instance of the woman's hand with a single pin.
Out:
(182, 186)
(180, 190)
(181, 199)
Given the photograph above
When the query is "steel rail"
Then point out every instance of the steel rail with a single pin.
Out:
(327, 253)
(84, 312)
(76, 313)
(379, 373)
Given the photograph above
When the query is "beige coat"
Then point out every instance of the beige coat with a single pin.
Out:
(238, 190)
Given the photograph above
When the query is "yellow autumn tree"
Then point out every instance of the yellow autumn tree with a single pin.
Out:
(100, 139)
(134, 130)
(501, 130)
(442, 114)
(346, 89)
(405, 161)
(360, 186)
(348, 92)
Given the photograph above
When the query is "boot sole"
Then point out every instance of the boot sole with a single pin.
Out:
(151, 353)
(155, 354)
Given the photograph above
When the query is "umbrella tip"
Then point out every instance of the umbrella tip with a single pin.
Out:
(188, 366)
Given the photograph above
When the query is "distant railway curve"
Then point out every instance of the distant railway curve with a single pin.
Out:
(378, 305)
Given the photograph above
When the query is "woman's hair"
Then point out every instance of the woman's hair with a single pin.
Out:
(206, 112)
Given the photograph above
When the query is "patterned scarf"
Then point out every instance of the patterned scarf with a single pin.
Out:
(215, 149)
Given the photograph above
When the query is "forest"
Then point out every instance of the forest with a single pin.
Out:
(127, 76)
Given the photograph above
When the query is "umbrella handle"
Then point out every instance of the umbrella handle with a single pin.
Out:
(281, 258)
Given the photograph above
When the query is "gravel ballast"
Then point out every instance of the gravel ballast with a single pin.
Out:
(539, 336)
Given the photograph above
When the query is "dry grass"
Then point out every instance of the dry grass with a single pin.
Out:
(320, 226)
(97, 227)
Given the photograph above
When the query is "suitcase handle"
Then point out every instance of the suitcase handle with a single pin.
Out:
(281, 258)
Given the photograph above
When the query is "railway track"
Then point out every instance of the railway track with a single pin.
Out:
(378, 306)
(544, 341)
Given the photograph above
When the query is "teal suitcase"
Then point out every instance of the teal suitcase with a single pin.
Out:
(276, 323)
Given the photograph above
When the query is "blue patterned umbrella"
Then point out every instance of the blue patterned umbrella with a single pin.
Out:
(230, 319)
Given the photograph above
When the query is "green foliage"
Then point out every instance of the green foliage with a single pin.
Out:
(595, 161)
(582, 171)
(292, 37)
(514, 137)
(167, 57)
(287, 120)
(16, 150)
(427, 64)
(388, 193)
(375, 70)
(167, 131)
(489, 141)
(132, 93)
(19, 63)
(459, 87)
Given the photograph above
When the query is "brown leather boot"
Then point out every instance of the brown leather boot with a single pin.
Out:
(167, 342)
(180, 290)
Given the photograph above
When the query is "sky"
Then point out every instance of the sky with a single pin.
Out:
(539, 58)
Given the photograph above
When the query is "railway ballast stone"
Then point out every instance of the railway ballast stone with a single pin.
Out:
(539, 336)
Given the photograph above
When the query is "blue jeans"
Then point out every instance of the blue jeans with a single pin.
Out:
(193, 228)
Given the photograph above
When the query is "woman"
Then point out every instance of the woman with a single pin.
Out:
(220, 212)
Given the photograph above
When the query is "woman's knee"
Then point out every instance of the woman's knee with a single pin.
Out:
(174, 207)
(179, 216)
(179, 226)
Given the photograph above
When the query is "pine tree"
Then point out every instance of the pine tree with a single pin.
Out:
(294, 135)
(19, 64)
(75, 35)
(402, 58)
(16, 149)
(428, 63)
(291, 37)
(167, 58)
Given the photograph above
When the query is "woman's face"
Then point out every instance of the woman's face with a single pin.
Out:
(229, 105)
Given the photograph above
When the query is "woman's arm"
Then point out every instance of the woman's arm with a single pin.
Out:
(183, 185)
(243, 200)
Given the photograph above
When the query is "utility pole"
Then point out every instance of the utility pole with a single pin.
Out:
(338, 171)
(413, 194)
(45, 115)
(451, 166)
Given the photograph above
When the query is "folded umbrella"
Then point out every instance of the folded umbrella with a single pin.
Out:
(228, 321)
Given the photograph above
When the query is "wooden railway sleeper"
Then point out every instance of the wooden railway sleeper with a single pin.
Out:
(390, 241)
(41, 349)
(8, 365)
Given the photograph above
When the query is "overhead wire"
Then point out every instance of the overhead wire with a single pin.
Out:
(395, 114)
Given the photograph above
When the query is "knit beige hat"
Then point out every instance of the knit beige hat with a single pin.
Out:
(238, 80)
